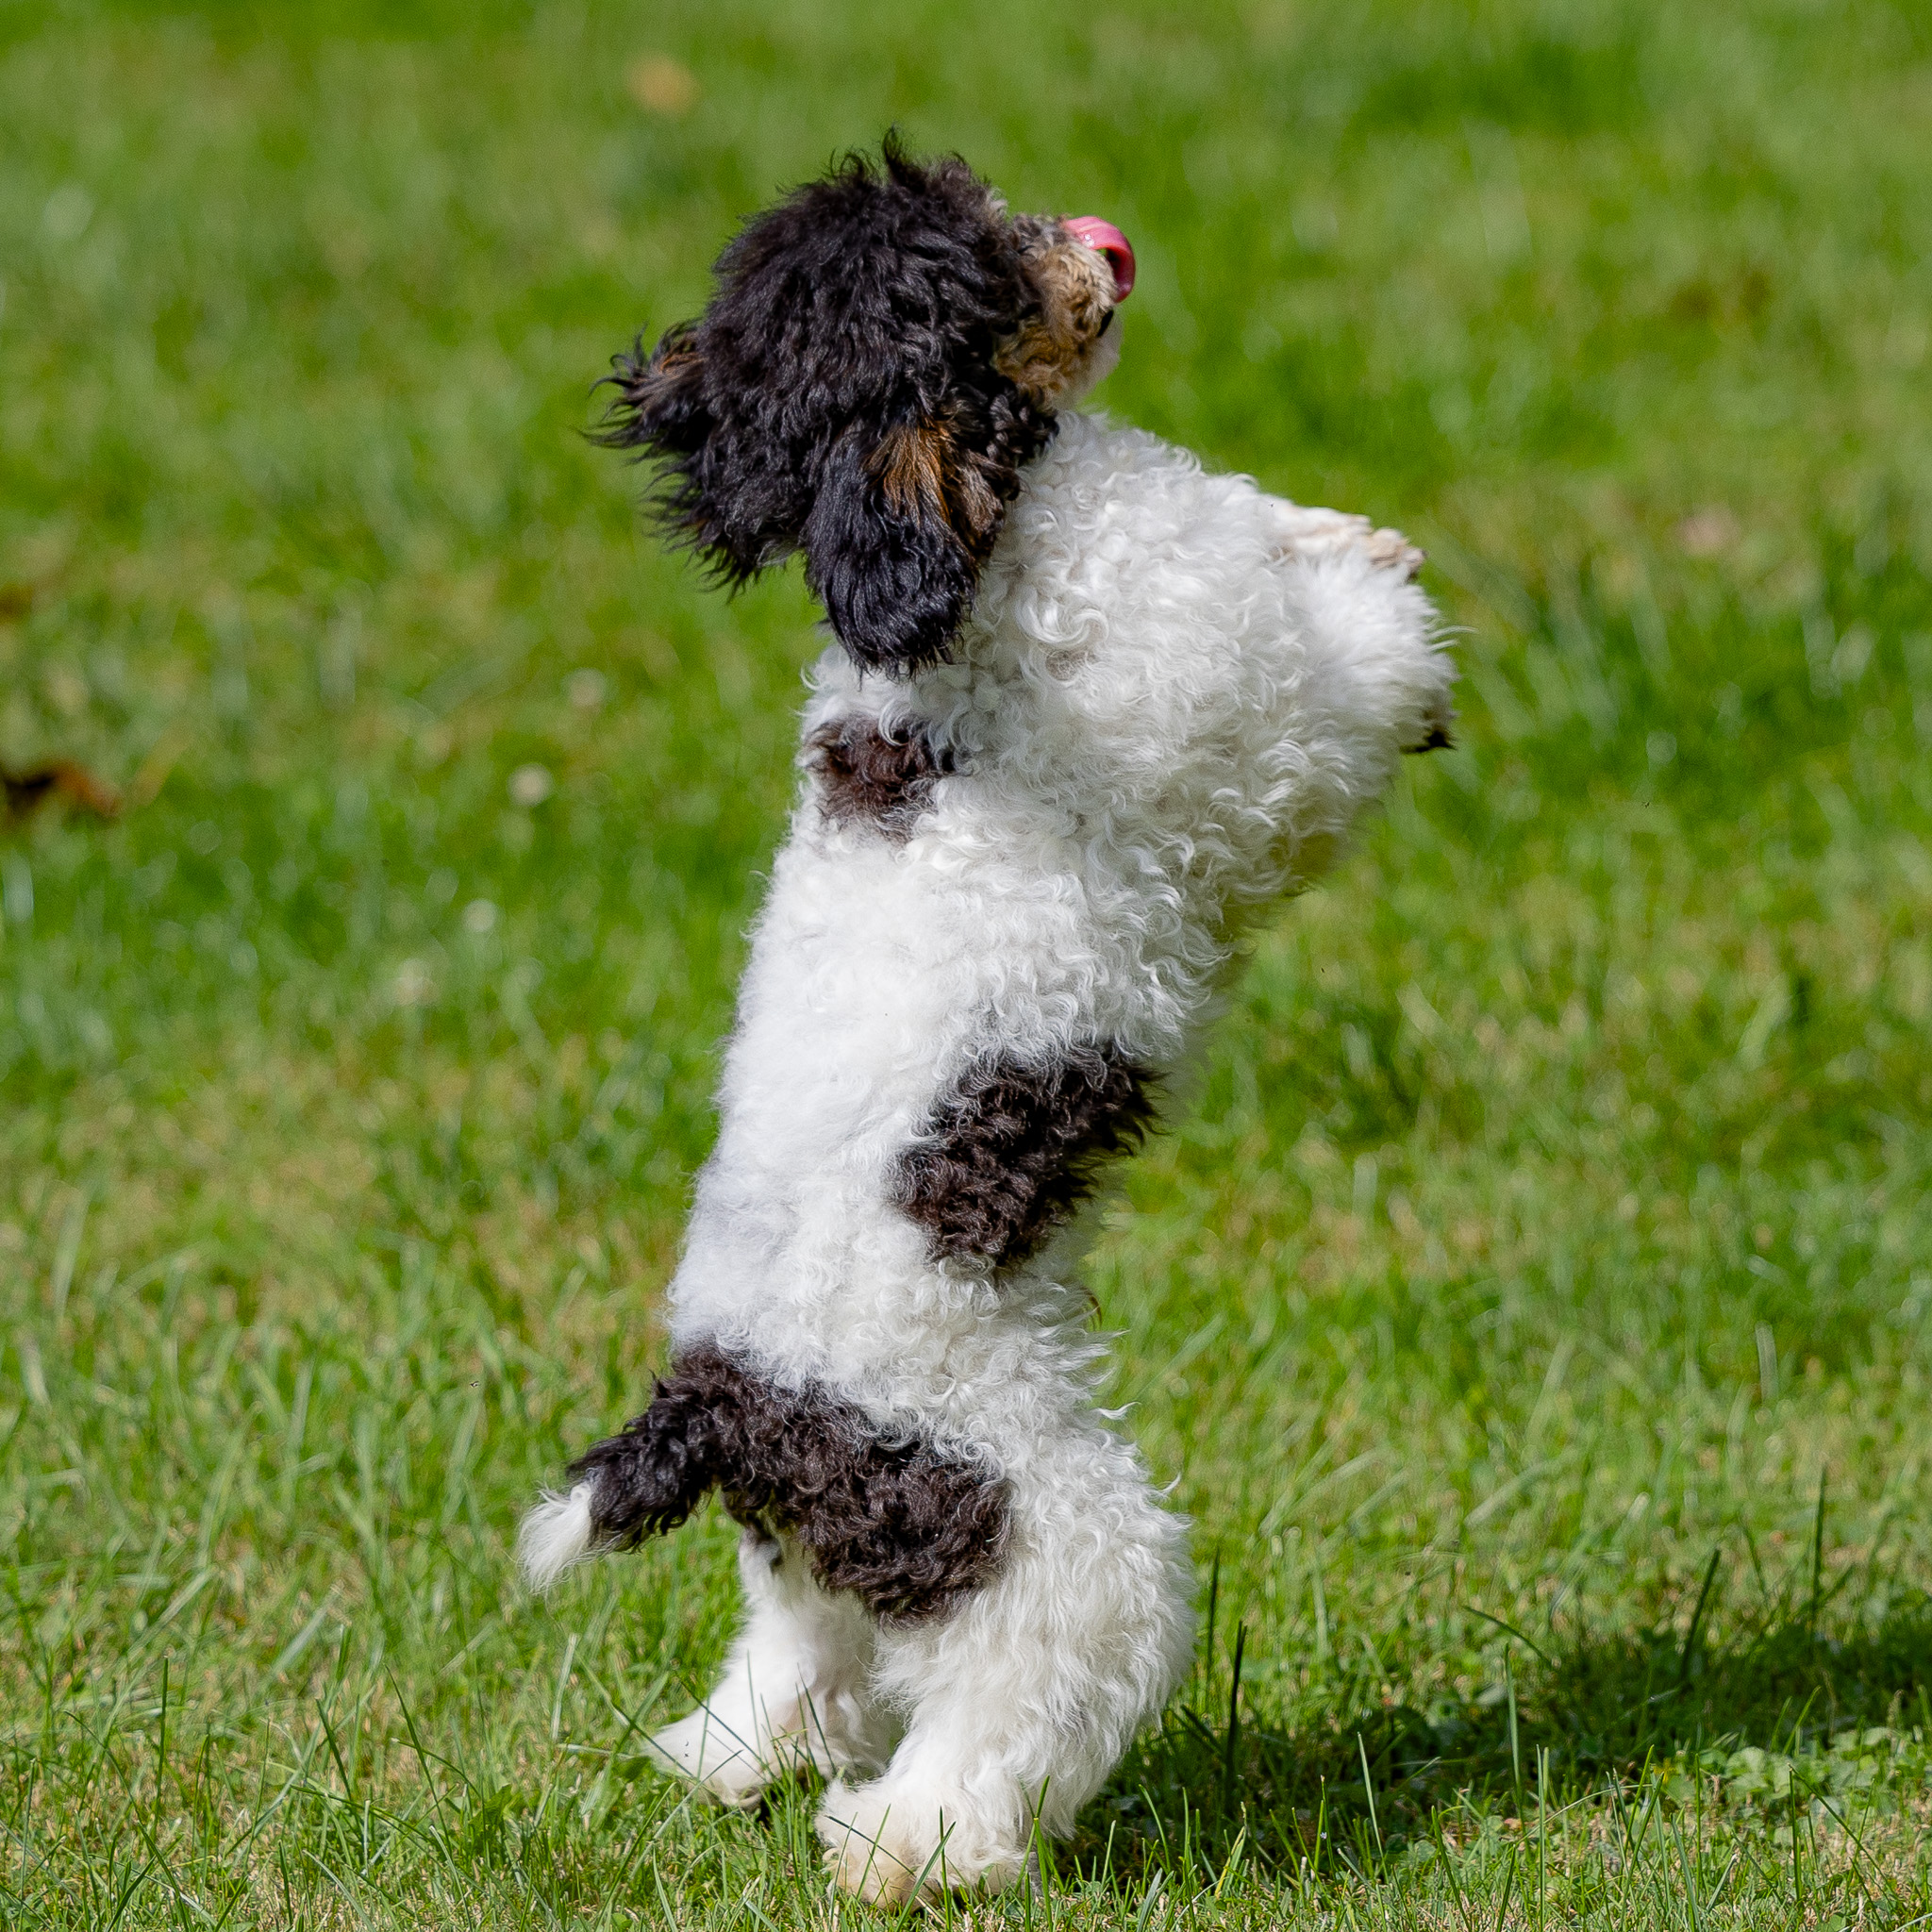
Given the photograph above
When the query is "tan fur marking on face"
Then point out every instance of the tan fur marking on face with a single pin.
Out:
(1045, 354)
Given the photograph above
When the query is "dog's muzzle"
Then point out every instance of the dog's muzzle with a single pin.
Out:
(1106, 239)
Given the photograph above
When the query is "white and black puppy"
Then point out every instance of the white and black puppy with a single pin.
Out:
(1088, 708)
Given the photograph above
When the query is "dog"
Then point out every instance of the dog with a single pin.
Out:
(1086, 711)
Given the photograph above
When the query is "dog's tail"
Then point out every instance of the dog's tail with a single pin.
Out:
(629, 1487)
(559, 1532)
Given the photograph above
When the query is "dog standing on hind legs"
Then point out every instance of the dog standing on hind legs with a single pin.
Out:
(1086, 711)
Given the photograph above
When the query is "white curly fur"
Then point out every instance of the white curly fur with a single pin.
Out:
(1173, 699)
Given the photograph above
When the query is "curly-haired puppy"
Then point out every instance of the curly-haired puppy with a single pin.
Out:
(1088, 708)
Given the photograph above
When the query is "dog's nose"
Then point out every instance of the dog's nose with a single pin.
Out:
(1109, 239)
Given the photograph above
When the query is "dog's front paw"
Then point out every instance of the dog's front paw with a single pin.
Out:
(1391, 550)
(1309, 533)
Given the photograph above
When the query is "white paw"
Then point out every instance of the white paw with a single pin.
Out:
(1308, 533)
(1435, 733)
(704, 1749)
(1391, 550)
(889, 1843)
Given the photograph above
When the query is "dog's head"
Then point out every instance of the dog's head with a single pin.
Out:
(885, 349)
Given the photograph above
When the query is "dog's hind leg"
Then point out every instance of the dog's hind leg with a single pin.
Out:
(794, 1693)
(1023, 1698)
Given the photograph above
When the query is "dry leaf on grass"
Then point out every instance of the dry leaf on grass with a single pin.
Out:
(663, 85)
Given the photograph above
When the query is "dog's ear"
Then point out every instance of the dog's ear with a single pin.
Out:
(899, 525)
(841, 395)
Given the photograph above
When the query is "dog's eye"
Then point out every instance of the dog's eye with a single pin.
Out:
(1105, 325)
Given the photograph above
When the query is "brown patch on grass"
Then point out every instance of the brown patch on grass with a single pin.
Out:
(73, 784)
(662, 86)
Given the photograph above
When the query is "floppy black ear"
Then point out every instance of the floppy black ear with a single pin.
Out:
(841, 395)
(897, 531)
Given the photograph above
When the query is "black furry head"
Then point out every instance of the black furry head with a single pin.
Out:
(880, 359)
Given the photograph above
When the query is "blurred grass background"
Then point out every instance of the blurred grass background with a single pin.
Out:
(1533, 1304)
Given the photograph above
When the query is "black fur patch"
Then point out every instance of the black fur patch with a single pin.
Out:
(840, 397)
(865, 777)
(1014, 1148)
(905, 1526)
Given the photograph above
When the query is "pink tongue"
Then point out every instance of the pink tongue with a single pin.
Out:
(1109, 239)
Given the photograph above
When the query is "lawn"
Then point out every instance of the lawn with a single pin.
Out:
(1532, 1303)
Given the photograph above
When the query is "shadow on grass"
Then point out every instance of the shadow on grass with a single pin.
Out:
(1218, 1780)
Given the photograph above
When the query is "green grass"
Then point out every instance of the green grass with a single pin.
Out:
(1533, 1303)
